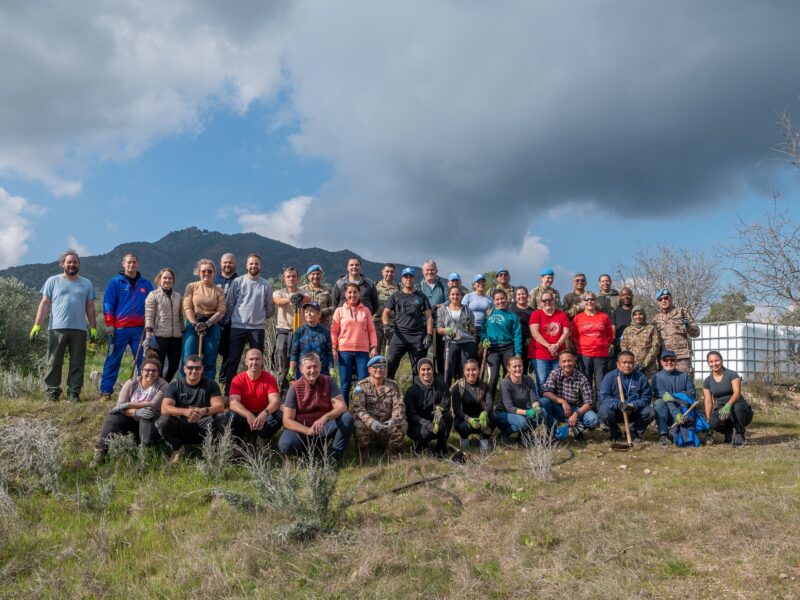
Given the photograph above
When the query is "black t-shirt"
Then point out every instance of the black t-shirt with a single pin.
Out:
(409, 312)
(620, 319)
(524, 315)
(197, 396)
(723, 390)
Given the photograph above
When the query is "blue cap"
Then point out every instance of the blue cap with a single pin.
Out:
(502, 271)
(409, 271)
(453, 276)
(545, 272)
(667, 353)
(376, 359)
(312, 304)
(662, 292)
(313, 268)
(478, 277)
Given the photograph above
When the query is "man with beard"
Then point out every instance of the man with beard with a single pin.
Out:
(288, 300)
(386, 288)
(223, 280)
(70, 300)
(321, 294)
(369, 295)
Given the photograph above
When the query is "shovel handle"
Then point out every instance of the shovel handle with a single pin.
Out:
(624, 414)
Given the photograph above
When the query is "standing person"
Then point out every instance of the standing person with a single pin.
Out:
(249, 304)
(223, 280)
(314, 337)
(593, 339)
(428, 415)
(523, 311)
(255, 400)
(608, 298)
(137, 408)
(479, 303)
(369, 295)
(573, 302)
(568, 395)
(385, 288)
(621, 317)
(472, 406)
(314, 413)
(413, 324)
(288, 300)
(353, 338)
(643, 341)
(675, 326)
(518, 410)
(502, 337)
(321, 294)
(123, 310)
(549, 327)
(192, 408)
(455, 323)
(379, 411)
(666, 383)
(434, 288)
(163, 322)
(546, 277)
(70, 300)
(454, 280)
(502, 281)
(726, 409)
(637, 399)
(204, 306)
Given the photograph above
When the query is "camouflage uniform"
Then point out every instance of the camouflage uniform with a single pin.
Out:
(323, 297)
(536, 293)
(645, 343)
(370, 403)
(572, 304)
(508, 289)
(609, 302)
(675, 335)
(385, 291)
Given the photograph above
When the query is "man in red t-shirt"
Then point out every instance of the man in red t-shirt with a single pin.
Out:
(255, 400)
(549, 331)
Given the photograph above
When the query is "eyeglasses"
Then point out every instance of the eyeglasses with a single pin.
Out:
(590, 300)
(663, 298)
(547, 299)
(668, 360)
(580, 281)
(378, 366)
(149, 370)
(205, 271)
(191, 368)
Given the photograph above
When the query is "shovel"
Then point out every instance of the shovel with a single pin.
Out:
(200, 336)
(690, 409)
(619, 446)
(485, 352)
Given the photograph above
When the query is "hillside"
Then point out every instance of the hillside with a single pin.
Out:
(181, 250)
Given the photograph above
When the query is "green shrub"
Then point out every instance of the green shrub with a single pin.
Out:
(18, 304)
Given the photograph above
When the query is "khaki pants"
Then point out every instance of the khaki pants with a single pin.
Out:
(60, 341)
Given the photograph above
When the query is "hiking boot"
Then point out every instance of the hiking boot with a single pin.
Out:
(484, 445)
(739, 441)
(73, 398)
(177, 456)
(728, 437)
(464, 443)
(637, 439)
(98, 459)
(105, 397)
(663, 440)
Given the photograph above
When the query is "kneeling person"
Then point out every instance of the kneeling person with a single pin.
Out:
(189, 408)
(472, 406)
(428, 409)
(314, 412)
(637, 394)
(255, 400)
(568, 395)
(379, 411)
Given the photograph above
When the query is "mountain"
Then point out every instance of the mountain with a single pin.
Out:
(180, 250)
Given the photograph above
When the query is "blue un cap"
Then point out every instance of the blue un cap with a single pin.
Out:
(409, 271)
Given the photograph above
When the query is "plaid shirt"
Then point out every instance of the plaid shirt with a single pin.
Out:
(575, 389)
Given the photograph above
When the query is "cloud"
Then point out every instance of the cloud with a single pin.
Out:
(16, 229)
(72, 242)
(523, 261)
(285, 223)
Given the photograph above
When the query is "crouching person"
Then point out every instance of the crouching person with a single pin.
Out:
(568, 396)
(191, 409)
(636, 391)
(472, 406)
(519, 410)
(314, 413)
(379, 411)
(137, 408)
(428, 409)
(254, 400)
(666, 383)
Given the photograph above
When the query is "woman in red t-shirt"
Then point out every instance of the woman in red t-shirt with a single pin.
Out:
(549, 330)
(593, 337)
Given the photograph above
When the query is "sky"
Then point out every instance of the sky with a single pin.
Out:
(515, 134)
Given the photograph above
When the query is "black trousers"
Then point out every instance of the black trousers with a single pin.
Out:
(169, 353)
(239, 338)
(740, 417)
(224, 350)
(145, 431)
(497, 358)
(457, 355)
(422, 436)
(464, 429)
(398, 347)
(177, 431)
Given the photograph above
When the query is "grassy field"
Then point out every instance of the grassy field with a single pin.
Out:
(653, 523)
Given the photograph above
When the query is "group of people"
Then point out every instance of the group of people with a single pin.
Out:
(338, 350)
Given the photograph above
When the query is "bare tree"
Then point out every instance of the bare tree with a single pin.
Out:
(690, 275)
(788, 150)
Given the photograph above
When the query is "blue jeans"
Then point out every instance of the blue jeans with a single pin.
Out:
(349, 362)
(665, 414)
(340, 430)
(589, 419)
(512, 423)
(124, 337)
(543, 368)
(210, 347)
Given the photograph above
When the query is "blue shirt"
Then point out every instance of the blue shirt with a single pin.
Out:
(68, 300)
(478, 305)
(635, 386)
(673, 382)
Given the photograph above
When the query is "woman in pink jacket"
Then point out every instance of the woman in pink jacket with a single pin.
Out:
(353, 338)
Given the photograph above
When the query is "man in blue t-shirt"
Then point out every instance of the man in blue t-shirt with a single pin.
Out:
(70, 300)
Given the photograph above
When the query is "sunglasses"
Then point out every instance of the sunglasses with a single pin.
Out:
(378, 366)
(188, 368)
(668, 360)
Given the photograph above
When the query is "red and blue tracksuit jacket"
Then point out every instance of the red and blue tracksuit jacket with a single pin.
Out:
(123, 305)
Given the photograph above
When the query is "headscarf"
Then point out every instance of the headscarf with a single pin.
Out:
(635, 309)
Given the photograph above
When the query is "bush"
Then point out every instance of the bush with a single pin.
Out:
(217, 452)
(31, 454)
(18, 304)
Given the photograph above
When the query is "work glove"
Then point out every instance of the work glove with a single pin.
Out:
(483, 419)
(388, 424)
(146, 413)
(533, 412)
(667, 397)
(626, 408)
(376, 426)
(296, 299)
(335, 375)
(146, 344)
(290, 375)
(725, 412)
(678, 418)
(449, 331)
(93, 334)
(35, 332)
(111, 332)
(200, 327)
(119, 408)
(486, 344)
(438, 415)
(387, 331)
(427, 341)
(474, 423)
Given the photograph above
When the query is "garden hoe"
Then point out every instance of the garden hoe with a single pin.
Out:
(619, 446)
